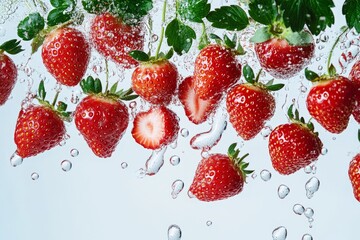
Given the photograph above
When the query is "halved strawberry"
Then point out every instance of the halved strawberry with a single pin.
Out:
(196, 109)
(155, 128)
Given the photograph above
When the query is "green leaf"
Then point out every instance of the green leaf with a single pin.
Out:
(61, 106)
(58, 16)
(97, 86)
(41, 90)
(179, 36)
(61, 3)
(249, 74)
(30, 26)
(193, 10)
(332, 70)
(310, 75)
(139, 56)
(264, 12)
(129, 98)
(169, 54)
(228, 42)
(132, 11)
(98, 6)
(359, 135)
(351, 10)
(261, 35)
(299, 38)
(290, 111)
(12, 46)
(231, 149)
(114, 87)
(231, 18)
(275, 87)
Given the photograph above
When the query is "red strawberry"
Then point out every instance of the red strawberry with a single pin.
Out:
(196, 109)
(331, 101)
(281, 59)
(220, 176)
(354, 175)
(101, 118)
(8, 71)
(114, 39)
(355, 78)
(294, 145)
(155, 81)
(250, 104)
(155, 128)
(66, 54)
(216, 70)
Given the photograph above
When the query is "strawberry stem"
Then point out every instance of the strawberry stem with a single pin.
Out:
(162, 30)
(333, 48)
(106, 75)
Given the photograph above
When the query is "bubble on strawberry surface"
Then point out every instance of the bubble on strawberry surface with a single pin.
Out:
(174, 232)
(205, 153)
(283, 191)
(184, 132)
(312, 186)
(16, 160)
(298, 209)
(279, 233)
(34, 176)
(207, 140)
(177, 186)
(307, 237)
(174, 160)
(209, 223)
(265, 175)
(124, 165)
(190, 194)
(155, 162)
(74, 152)
(66, 165)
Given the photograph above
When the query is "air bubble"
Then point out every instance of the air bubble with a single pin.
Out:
(66, 165)
(75, 97)
(279, 233)
(311, 187)
(265, 132)
(124, 165)
(307, 237)
(324, 151)
(298, 209)
(253, 176)
(184, 132)
(283, 191)
(174, 232)
(209, 223)
(265, 175)
(141, 173)
(309, 212)
(74, 152)
(16, 160)
(155, 162)
(34, 176)
(175, 160)
(173, 145)
(177, 187)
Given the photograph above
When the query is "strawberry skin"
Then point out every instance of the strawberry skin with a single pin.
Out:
(331, 102)
(216, 70)
(282, 60)
(155, 82)
(102, 121)
(38, 128)
(114, 39)
(8, 75)
(354, 175)
(355, 78)
(293, 146)
(249, 107)
(196, 109)
(155, 128)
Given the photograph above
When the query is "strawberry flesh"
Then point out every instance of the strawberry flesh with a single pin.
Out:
(355, 78)
(8, 75)
(354, 175)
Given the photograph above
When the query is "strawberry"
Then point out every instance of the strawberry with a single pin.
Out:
(354, 173)
(155, 81)
(101, 118)
(66, 54)
(155, 128)
(196, 109)
(40, 128)
(355, 78)
(114, 39)
(220, 176)
(8, 71)
(216, 70)
(250, 104)
(294, 145)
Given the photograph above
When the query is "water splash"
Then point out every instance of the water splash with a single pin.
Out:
(176, 187)
(155, 162)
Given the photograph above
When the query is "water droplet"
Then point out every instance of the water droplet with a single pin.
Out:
(324, 37)
(175, 160)
(254, 175)
(324, 151)
(66, 165)
(124, 165)
(283, 191)
(279, 233)
(265, 175)
(184, 132)
(312, 186)
(190, 194)
(173, 145)
(141, 173)
(298, 209)
(174, 232)
(74, 152)
(34, 176)
(16, 160)
(177, 187)
(155, 162)
(209, 223)
(309, 212)
(75, 97)
(132, 104)
(307, 237)
(154, 38)
(265, 132)
(308, 169)
(62, 143)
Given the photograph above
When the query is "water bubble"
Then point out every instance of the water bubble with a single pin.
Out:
(66, 165)
(254, 175)
(174, 232)
(265, 132)
(205, 153)
(124, 165)
(308, 169)
(177, 187)
(312, 186)
(34, 176)
(74, 152)
(184, 132)
(324, 37)
(309, 212)
(298, 209)
(265, 175)
(303, 89)
(154, 38)
(173, 145)
(141, 173)
(307, 237)
(279, 233)
(132, 104)
(75, 97)
(62, 143)
(16, 160)
(324, 151)
(175, 160)
(283, 191)
(190, 194)
(155, 162)
(209, 223)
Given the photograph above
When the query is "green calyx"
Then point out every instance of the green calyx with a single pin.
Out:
(314, 77)
(12, 47)
(254, 80)
(58, 107)
(144, 57)
(233, 154)
(93, 86)
(294, 117)
(232, 43)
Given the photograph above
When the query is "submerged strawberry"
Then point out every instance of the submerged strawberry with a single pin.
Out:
(354, 173)
(220, 176)
(355, 78)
